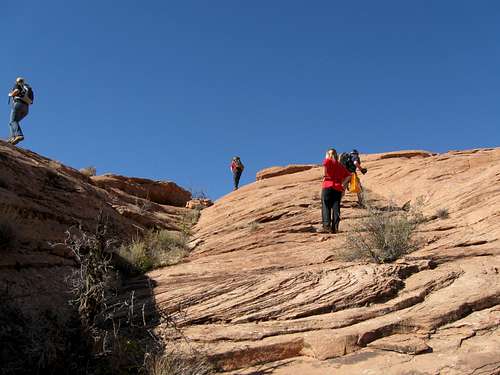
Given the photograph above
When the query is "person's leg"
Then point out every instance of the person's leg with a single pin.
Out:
(326, 208)
(336, 197)
(19, 111)
(236, 177)
(15, 129)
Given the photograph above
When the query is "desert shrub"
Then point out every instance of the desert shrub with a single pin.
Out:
(198, 194)
(382, 236)
(144, 205)
(253, 226)
(189, 219)
(191, 216)
(54, 164)
(90, 282)
(88, 171)
(108, 332)
(177, 363)
(113, 325)
(155, 249)
(442, 213)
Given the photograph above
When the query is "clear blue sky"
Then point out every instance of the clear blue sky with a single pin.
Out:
(172, 90)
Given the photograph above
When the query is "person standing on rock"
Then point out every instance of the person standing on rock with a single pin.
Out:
(336, 178)
(237, 169)
(22, 97)
(352, 162)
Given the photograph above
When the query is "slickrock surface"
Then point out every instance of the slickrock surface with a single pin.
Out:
(42, 199)
(264, 293)
(280, 171)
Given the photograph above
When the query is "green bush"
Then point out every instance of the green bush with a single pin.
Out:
(382, 236)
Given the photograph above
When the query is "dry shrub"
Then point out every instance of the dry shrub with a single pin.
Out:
(177, 363)
(383, 236)
(114, 326)
(253, 226)
(155, 249)
(442, 213)
(88, 171)
(110, 333)
(190, 218)
(90, 282)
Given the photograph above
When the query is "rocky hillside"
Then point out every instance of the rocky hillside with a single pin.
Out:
(265, 293)
(41, 199)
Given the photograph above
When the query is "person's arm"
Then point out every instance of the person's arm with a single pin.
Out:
(357, 163)
(345, 182)
(14, 92)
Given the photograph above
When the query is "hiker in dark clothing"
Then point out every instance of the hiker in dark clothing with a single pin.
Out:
(237, 169)
(352, 162)
(335, 180)
(22, 97)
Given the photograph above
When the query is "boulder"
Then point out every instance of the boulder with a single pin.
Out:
(199, 203)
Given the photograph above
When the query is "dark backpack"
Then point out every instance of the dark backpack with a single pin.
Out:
(27, 94)
(346, 160)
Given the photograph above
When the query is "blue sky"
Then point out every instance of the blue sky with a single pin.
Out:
(172, 90)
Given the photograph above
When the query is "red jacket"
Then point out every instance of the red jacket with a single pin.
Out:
(235, 166)
(335, 173)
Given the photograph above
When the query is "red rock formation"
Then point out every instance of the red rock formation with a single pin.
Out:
(162, 192)
(42, 199)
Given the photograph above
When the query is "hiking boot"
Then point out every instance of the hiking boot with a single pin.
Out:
(325, 229)
(17, 139)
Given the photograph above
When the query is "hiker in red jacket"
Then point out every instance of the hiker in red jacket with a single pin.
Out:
(237, 168)
(335, 180)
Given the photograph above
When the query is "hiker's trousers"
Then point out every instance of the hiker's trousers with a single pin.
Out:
(19, 111)
(236, 178)
(330, 208)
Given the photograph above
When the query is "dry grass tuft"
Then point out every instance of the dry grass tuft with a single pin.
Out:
(253, 226)
(155, 249)
(177, 363)
(88, 171)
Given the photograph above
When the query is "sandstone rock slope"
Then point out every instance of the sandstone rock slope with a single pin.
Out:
(262, 291)
(41, 199)
(262, 288)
